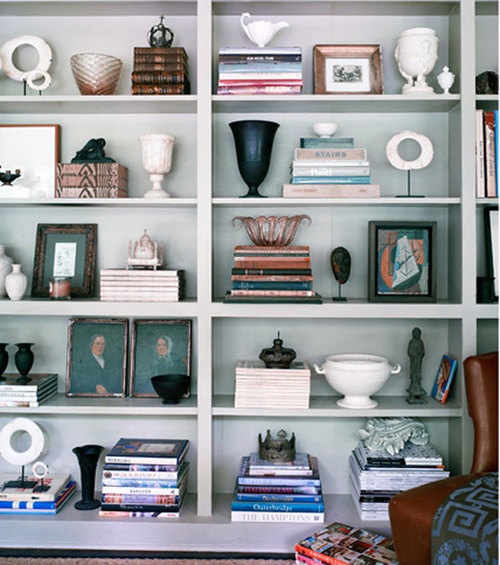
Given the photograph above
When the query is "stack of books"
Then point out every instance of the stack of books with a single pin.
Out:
(340, 543)
(259, 387)
(38, 390)
(160, 70)
(487, 152)
(330, 167)
(272, 274)
(260, 70)
(145, 478)
(278, 492)
(376, 476)
(142, 285)
(29, 495)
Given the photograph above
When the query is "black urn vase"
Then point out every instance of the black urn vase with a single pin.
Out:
(254, 143)
(88, 457)
(24, 359)
(4, 360)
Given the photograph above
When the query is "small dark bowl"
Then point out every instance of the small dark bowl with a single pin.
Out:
(171, 387)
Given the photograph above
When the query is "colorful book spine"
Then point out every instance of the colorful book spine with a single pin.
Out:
(287, 517)
(489, 152)
(277, 506)
(331, 179)
(331, 190)
(280, 498)
(329, 170)
(271, 285)
(327, 142)
(359, 154)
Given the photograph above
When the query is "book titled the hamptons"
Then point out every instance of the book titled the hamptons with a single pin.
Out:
(154, 451)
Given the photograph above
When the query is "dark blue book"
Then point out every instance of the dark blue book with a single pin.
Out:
(271, 285)
(278, 506)
(327, 142)
(148, 451)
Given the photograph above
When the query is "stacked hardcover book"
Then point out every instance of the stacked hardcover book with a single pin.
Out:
(278, 492)
(38, 390)
(487, 153)
(260, 387)
(340, 543)
(160, 70)
(145, 478)
(260, 70)
(330, 167)
(29, 495)
(142, 285)
(376, 476)
(272, 274)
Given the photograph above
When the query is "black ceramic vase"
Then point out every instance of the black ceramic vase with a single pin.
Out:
(24, 359)
(254, 143)
(4, 360)
(88, 457)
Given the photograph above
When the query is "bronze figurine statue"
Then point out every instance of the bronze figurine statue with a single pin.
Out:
(416, 352)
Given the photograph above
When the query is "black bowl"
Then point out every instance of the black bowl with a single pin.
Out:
(171, 387)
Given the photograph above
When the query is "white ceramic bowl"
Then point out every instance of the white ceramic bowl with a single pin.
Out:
(325, 129)
(357, 376)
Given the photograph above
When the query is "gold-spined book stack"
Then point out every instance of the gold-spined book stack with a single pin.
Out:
(160, 70)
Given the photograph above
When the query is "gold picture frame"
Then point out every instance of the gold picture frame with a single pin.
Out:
(347, 69)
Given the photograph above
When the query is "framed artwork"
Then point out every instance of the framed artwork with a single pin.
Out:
(492, 244)
(444, 378)
(35, 151)
(65, 250)
(159, 347)
(402, 261)
(347, 69)
(97, 357)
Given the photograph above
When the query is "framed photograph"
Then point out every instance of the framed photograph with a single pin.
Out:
(65, 250)
(492, 244)
(347, 69)
(34, 150)
(444, 378)
(97, 357)
(402, 261)
(159, 347)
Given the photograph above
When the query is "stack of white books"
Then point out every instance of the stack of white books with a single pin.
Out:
(142, 285)
(38, 390)
(259, 387)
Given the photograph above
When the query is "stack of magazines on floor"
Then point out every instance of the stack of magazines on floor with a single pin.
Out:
(31, 495)
(376, 476)
(278, 492)
(339, 543)
(145, 477)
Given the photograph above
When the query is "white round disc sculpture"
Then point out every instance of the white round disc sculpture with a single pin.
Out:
(422, 161)
(12, 455)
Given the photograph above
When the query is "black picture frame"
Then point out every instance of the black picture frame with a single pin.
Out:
(97, 357)
(415, 278)
(148, 337)
(65, 250)
(492, 245)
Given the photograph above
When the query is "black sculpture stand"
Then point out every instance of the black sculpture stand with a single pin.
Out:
(88, 456)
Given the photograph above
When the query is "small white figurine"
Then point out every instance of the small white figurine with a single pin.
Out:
(446, 79)
(261, 32)
(144, 253)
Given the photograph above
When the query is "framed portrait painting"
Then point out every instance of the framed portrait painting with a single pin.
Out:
(402, 261)
(97, 357)
(347, 69)
(65, 250)
(159, 347)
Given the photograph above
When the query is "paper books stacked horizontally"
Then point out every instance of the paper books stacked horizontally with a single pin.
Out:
(260, 70)
(272, 274)
(142, 285)
(487, 152)
(330, 167)
(278, 492)
(35, 496)
(145, 477)
(160, 70)
(376, 476)
(259, 387)
(339, 543)
(38, 390)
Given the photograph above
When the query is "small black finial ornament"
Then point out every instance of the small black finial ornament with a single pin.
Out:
(160, 36)
(277, 356)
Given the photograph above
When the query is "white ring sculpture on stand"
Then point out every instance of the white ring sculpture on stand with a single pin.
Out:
(44, 60)
(21, 457)
(422, 161)
(39, 470)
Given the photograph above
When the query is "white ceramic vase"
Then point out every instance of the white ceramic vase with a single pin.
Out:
(157, 149)
(416, 55)
(16, 283)
(5, 269)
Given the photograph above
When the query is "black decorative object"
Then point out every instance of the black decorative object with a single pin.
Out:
(277, 356)
(340, 260)
(279, 450)
(24, 359)
(171, 387)
(4, 360)
(487, 83)
(254, 143)
(160, 36)
(92, 152)
(8, 177)
(88, 457)
(416, 353)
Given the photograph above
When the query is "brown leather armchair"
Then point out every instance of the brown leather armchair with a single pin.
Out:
(411, 512)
